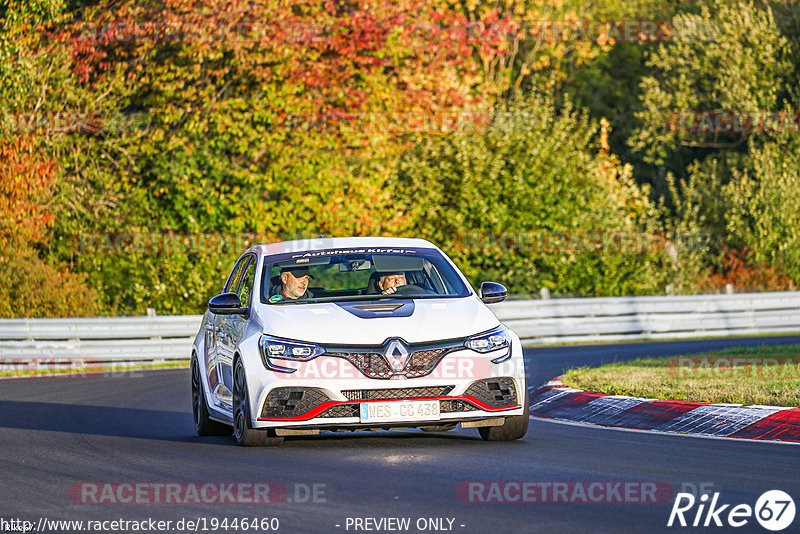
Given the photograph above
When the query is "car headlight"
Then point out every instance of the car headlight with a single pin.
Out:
(496, 339)
(274, 348)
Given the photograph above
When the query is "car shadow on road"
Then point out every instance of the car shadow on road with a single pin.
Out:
(101, 421)
(178, 426)
(394, 438)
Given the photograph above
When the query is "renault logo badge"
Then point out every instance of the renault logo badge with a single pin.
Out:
(396, 355)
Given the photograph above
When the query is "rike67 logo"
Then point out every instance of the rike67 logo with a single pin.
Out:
(774, 510)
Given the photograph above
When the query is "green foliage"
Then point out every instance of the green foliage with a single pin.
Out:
(735, 189)
(257, 132)
(531, 203)
(765, 204)
(729, 56)
(293, 118)
(604, 86)
(33, 288)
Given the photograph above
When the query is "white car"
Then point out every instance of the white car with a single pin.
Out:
(355, 333)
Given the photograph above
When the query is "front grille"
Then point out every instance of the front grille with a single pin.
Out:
(342, 410)
(420, 363)
(290, 402)
(423, 362)
(496, 392)
(396, 393)
(455, 405)
(371, 365)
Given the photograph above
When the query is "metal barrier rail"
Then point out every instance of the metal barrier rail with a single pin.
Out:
(663, 317)
(535, 321)
(99, 339)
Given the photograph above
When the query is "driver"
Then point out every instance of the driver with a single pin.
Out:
(389, 282)
(294, 284)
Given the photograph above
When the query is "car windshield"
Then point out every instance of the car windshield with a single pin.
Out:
(359, 274)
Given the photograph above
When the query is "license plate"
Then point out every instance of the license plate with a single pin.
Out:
(376, 412)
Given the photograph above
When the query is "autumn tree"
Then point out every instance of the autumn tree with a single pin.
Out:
(282, 119)
(34, 283)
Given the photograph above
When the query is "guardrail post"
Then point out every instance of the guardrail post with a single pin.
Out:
(151, 312)
(545, 292)
(729, 289)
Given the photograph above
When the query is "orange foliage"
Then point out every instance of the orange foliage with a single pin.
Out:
(745, 276)
(32, 287)
(26, 178)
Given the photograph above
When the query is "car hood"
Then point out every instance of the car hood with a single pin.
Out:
(428, 320)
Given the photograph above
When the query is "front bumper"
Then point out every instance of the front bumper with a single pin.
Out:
(327, 393)
(300, 406)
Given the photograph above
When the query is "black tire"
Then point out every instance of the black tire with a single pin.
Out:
(514, 428)
(244, 433)
(203, 424)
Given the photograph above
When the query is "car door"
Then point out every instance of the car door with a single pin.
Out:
(231, 328)
(215, 349)
(210, 347)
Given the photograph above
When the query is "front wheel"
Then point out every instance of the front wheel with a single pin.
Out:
(203, 424)
(514, 427)
(243, 431)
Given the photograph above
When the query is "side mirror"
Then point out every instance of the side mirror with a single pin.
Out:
(226, 304)
(492, 292)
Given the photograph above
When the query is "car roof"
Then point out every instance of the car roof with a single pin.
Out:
(323, 243)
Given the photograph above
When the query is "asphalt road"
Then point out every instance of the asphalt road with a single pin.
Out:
(59, 433)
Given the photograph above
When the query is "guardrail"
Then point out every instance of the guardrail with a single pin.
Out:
(631, 318)
(126, 339)
(99, 339)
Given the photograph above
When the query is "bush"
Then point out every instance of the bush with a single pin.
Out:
(726, 56)
(33, 288)
(765, 204)
(534, 201)
(737, 268)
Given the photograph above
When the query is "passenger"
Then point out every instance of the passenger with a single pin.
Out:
(294, 284)
(389, 283)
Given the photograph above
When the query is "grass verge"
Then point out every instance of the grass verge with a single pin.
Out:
(768, 375)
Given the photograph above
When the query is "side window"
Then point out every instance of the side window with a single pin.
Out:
(236, 275)
(246, 288)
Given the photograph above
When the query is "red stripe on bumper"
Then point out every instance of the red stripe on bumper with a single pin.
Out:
(319, 408)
